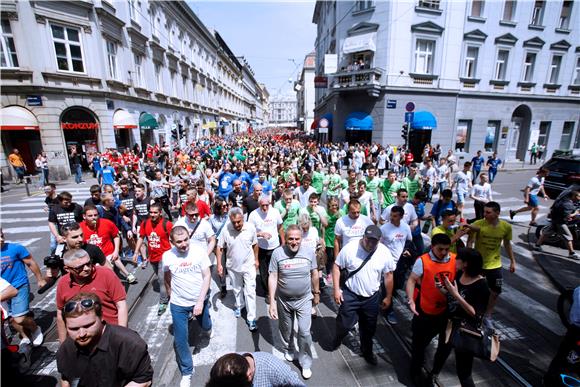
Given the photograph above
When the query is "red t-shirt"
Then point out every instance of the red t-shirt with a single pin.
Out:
(104, 283)
(202, 207)
(102, 237)
(157, 238)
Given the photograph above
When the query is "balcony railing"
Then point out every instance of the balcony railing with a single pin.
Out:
(360, 79)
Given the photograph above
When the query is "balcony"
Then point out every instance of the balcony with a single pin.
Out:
(368, 80)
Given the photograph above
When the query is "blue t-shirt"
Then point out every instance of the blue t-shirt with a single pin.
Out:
(439, 207)
(420, 210)
(266, 186)
(13, 268)
(493, 163)
(97, 164)
(477, 162)
(108, 174)
(225, 184)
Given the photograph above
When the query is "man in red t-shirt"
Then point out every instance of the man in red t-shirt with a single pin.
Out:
(83, 276)
(105, 235)
(156, 229)
(202, 207)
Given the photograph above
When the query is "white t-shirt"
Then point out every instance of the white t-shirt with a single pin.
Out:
(365, 201)
(429, 174)
(534, 184)
(4, 305)
(303, 196)
(395, 237)
(442, 172)
(310, 240)
(462, 182)
(482, 191)
(344, 197)
(267, 222)
(202, 234)
(382, 160)
(351, 229)
(186, 274)
(409, 217)
(240, 253)
(368, 280)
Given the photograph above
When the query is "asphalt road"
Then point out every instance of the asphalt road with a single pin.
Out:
(525, 314)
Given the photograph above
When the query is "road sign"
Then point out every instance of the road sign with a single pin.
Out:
(410, 106)
(391, 104)
(409, 116)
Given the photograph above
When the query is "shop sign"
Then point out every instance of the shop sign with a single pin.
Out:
(79, 125)
(320, 82)
(391, 104)
(34, 100)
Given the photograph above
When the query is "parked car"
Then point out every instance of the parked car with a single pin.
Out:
(564, 172)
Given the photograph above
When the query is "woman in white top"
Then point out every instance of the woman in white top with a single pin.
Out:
(481, 194)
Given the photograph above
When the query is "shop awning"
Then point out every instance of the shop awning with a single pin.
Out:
(359, 43)
(314, 124)
(122, 119)
(147, 121)
(17, 118)
(359, 121)
(424, 121)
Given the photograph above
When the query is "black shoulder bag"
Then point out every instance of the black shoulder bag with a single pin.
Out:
(345, 275)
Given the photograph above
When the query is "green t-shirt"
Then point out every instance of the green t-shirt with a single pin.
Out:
(314, 217)
(334, 180)
(273, 180)
(373, 187)
(285, 175)
(412, 185)
(449, 232)
(488, 241)
(318, 181)
(292, 215)
(390, 191)
(329, 230)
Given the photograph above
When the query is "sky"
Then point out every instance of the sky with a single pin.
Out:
(273, 36)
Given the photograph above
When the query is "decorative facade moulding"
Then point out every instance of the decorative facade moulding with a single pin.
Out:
(507, 39)
(363, 27)
(428, 28)
(562, 45)
(535, 42)
(475, 35)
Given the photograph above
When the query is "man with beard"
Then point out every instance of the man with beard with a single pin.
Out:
(98, 354)
(84, 276)
(64, 213)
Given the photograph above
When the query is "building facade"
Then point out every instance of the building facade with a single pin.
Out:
(283, 111)
(482, 75)
(112, 74)
(305, 93)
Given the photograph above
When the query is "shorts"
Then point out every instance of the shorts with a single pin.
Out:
(19, 305)
(461, 197)
(562, 229)
(494, 279)
(533, 201)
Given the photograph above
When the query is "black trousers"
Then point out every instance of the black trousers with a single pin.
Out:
(424, 328)
(355, 308)
(463, 363)
(264, 257)
(478, 209)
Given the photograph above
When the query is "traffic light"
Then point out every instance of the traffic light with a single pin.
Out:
(174, 134)
(181, 131)
(405, 131)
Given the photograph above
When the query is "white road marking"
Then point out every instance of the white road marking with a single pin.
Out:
(25, 242)
(26, 230)
(12, 212)
(23, 220)
(40, 205)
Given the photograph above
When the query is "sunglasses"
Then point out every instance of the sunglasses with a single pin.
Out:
(81, 267)
(85, 305)
(192, 215)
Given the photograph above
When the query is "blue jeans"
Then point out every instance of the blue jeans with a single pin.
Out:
(180, 316)
(20, 171)
(442, 185)
(78, 173)
(492, 172)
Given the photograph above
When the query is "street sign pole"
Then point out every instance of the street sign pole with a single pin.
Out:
(409, 107)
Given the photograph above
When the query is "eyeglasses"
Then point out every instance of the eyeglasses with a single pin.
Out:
(193, 215)
(81, 267)
(85, 304)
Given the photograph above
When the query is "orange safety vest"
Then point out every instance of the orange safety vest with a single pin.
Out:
(431, 300)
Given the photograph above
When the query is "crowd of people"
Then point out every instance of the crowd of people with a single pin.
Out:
(274, 210)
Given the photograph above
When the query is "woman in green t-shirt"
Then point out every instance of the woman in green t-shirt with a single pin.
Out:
(334, 213)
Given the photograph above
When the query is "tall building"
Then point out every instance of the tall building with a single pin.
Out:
(304, 88)
(482, 75)
(283, 111)
(112, 74)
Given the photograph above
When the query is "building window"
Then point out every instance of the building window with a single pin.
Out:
(68, 48)
(185, 89)
(155, 22)
(577, 141)
(544, 133)
(470, 67)
(173, 85)
(555, 69)
(133, 10)
(538, 13)
(501, 64)
(112, 60)
(462, 136)
(565, 14)
(492, 133)
(529, 65)
(567, 132)
(576, 75)
(158, 78)
(509, 10)
(139, 77)
(477, 8)
(363, 5)
(424, 56)
(432, 4)
(9, 57)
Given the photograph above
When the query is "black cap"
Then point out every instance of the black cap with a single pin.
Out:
(373, 232)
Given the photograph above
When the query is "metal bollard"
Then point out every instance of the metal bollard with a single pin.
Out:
(26, 182)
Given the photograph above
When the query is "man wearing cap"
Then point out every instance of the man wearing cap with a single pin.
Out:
(367, 262)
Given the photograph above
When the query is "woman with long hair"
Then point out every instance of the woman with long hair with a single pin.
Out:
(218, 221)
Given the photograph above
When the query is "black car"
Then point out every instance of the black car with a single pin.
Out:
(564, 172)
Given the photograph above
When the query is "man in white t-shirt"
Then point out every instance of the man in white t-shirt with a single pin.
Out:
(268, 223)
(350, 226)
(535, 186)
(302, 193)
(359, 299)
(429, 176)
(410, 215)
(240, 240)
(200, 231)
(187, 279)
(462, 183)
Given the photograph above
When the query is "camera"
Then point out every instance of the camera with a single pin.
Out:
(53, 261)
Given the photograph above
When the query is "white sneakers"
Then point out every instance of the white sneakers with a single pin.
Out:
(185, 381)
(37, 338)
(289, 356)
(306, 373)
(131, 278)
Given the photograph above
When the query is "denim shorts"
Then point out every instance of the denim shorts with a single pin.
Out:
(19, 305)
(533, 201)
(461, 197)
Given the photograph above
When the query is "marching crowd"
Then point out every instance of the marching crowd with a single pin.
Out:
(275, 210)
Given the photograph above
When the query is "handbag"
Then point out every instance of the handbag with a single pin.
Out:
(479, 340)
(345, 275)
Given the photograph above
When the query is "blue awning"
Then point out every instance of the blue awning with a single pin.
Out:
(359, 121)
(328, 117)
(424, 121)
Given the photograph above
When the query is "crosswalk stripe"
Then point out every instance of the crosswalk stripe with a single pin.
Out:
(26, 242)
(19, 205)
(76, 198)
(23, 220)
(25, 230)
(12, 212)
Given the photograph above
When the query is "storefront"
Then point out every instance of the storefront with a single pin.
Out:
(359, 128)
(147, 125)
(80, 127)
(420, 135)
(20, 130)
(123, 124)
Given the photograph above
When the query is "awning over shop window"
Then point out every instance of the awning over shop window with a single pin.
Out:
(359, 43)
(17, 118)
(147, 121)
(359, 121)
(122, 119)
(314, 124)
(424, 121)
